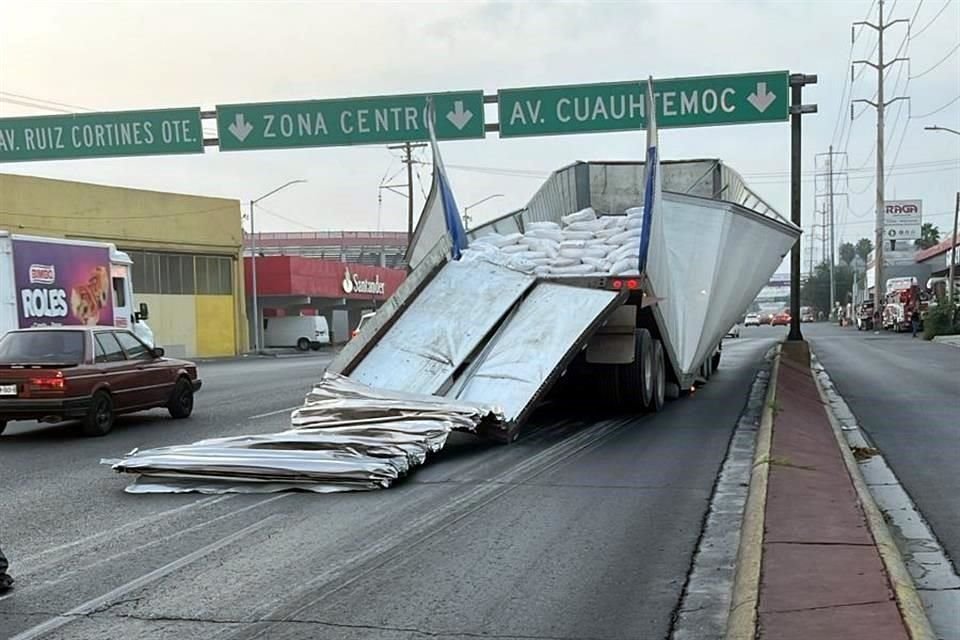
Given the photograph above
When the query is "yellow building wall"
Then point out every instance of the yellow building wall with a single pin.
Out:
(135, 217)
(173, 320)
(139, 219)
(215, 325)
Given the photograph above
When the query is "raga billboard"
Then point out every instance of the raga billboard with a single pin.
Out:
(62, 284)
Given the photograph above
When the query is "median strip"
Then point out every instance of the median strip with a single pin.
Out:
(816, 559)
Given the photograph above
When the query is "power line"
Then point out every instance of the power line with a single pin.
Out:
(936, 111)
(43, 100)
(944, 59)
(290, 220)
(80, 213)
(33, 106)
(927, 26)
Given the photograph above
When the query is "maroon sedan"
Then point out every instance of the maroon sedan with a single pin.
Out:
(90, 374)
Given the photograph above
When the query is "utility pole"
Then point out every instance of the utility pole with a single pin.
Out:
(829, 170)
(797, 110)
(408, 148)
(954, 249)
(880, 105)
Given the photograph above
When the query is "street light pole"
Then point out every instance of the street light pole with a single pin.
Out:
(466, 216)
(258, 322)
(951, 274)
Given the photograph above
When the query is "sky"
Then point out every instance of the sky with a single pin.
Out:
(108, 56)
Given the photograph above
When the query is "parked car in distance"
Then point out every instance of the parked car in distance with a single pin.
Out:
(766, 318)
(302, 332)
(781, 319)
(752, 320)
(365, 317)
(734, 331)
(91, 374)
(806, 314)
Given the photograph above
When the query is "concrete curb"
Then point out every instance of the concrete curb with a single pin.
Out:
(908, 599)
(742, 622)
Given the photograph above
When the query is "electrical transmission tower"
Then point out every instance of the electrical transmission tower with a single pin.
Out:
(880, 105)
(831, 180)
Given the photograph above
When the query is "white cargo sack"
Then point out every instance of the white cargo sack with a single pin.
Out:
(580, 216)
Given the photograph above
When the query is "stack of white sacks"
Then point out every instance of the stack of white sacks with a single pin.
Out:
(583, 245)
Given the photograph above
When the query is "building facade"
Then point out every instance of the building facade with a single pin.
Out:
(186, 251)
(339, 291)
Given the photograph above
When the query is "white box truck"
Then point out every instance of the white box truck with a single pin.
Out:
(57, 282)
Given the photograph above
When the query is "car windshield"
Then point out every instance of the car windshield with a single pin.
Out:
(41, 347)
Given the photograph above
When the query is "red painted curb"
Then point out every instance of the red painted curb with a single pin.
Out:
(821, 573)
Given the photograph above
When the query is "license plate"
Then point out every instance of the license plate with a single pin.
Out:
(8, 389)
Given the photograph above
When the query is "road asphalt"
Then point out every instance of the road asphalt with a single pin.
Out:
(905, 393)
(584, 528)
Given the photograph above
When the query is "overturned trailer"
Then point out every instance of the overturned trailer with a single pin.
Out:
(475, 344)
(482, 332)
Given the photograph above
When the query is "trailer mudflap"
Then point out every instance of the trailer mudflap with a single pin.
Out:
(533, 347)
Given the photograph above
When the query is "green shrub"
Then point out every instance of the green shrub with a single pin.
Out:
(940, 321)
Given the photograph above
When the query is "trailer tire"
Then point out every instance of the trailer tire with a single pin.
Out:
(608, 383)
(716, 360)
(659, 378)
(636, 378)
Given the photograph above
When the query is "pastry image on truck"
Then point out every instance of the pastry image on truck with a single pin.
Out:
(54, 282)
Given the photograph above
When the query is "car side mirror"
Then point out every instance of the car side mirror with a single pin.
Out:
(158, 352)
(144, 312)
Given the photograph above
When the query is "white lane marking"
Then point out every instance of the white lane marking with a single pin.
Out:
(418, 530)
(111, 596)
(133, 524)
(274, 413)
(61, 577)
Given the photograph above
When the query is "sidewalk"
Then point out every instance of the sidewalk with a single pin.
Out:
(953, 341)
(822, 573)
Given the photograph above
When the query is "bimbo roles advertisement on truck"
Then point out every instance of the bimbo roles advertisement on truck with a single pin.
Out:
(61, 284)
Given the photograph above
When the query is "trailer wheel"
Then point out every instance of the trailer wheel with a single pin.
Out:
(716, 360)
(659, 378)
(636, 378)
(608, 385)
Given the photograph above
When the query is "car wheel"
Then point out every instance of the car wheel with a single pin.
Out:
(100, 416)
(181, 402)
(303, 344)
(3, 425)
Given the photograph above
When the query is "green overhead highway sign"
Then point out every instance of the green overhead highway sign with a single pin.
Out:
(101, 135)
(347, 121)
(680, 102)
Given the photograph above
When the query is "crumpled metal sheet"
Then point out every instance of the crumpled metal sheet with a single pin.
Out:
(346, 437)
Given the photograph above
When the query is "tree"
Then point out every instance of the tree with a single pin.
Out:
(847, 252)
(863, 248)
(929, 236)
(815, 292)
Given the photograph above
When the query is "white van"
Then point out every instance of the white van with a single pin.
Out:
(302, 332)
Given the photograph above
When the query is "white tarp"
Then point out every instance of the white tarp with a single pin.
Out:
(441, 327)
(534, 341)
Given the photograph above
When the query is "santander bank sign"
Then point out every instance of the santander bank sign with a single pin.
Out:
(354, 284)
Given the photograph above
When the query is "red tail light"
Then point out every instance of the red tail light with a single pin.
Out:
(617, 284)
(52, 381)
(632, 284)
